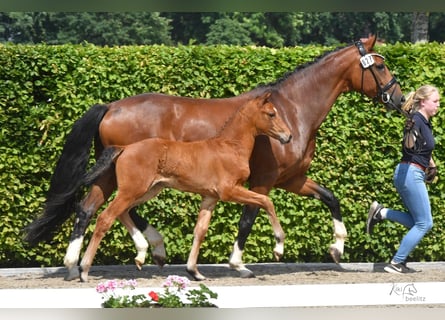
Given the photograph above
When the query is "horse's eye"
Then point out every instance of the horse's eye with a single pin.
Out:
(272, 115)
(380, 67)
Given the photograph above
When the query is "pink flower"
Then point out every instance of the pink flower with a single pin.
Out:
(176, 281)
(100, 288)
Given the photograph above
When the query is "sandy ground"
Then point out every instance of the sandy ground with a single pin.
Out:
(222, 275)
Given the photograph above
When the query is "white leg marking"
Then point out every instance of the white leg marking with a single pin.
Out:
(236, 261)
(73, 252)
(141, 246)
(340, 235)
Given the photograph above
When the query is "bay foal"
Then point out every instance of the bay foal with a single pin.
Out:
(215, 168)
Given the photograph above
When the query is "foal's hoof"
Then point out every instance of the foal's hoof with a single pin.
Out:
(277, 255)
(335, 254)
(246, 273)
(196, 275)
(83, 275)
(138, 264)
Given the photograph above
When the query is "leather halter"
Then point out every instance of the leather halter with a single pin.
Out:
(366, 62)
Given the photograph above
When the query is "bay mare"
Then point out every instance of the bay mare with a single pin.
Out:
(303, 98)
(215, 168)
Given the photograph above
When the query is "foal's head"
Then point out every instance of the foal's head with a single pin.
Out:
(266, 118)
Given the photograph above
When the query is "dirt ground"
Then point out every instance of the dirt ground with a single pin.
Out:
(222, 275)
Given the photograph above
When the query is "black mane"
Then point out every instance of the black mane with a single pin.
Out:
(299, 68)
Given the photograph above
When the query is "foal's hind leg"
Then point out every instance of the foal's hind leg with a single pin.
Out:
(202, 225)
(128, 195)
(104, 222)
(97, 196)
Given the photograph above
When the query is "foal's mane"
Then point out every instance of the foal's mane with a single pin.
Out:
(299, 68)
(230, 119)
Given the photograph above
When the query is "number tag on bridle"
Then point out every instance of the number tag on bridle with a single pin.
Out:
(367, 60)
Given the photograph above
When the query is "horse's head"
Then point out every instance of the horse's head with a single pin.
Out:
(268, 121)
(373, 77)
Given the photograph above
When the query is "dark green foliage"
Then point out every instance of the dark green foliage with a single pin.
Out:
(44, 89)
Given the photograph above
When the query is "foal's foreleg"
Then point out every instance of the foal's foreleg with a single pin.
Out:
(202, 225)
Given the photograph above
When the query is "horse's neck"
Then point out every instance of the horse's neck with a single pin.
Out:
(314, 89)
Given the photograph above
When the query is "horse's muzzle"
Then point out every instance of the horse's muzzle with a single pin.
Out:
(285, 139)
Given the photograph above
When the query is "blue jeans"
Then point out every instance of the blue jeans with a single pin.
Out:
(409, 183)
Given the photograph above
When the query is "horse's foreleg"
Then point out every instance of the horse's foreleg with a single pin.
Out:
(154, 238)
(307, 187)
(84, 212)
(337, 248)
(242, 195)
(244, 228)
(202, 225)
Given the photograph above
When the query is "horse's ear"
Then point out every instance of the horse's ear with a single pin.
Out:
(370, 41)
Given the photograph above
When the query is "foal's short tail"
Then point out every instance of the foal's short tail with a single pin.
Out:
(102, 164)
(67, 178)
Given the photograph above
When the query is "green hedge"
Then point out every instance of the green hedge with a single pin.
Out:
(44, 89)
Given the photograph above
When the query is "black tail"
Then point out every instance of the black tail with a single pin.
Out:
(102, 165)
(67, 178)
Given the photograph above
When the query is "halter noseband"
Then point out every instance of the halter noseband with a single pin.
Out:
(367, 61)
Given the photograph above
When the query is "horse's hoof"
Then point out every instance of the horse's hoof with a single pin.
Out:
(196, 275)
(73, 274)
(246, 273)
(335, 254)
(159, 260)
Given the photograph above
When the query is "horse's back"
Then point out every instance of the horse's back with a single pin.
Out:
(166, 116)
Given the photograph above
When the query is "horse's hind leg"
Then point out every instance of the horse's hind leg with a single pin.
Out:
(202, 225)
(98, 194)
(134, 224)
(155, 239)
